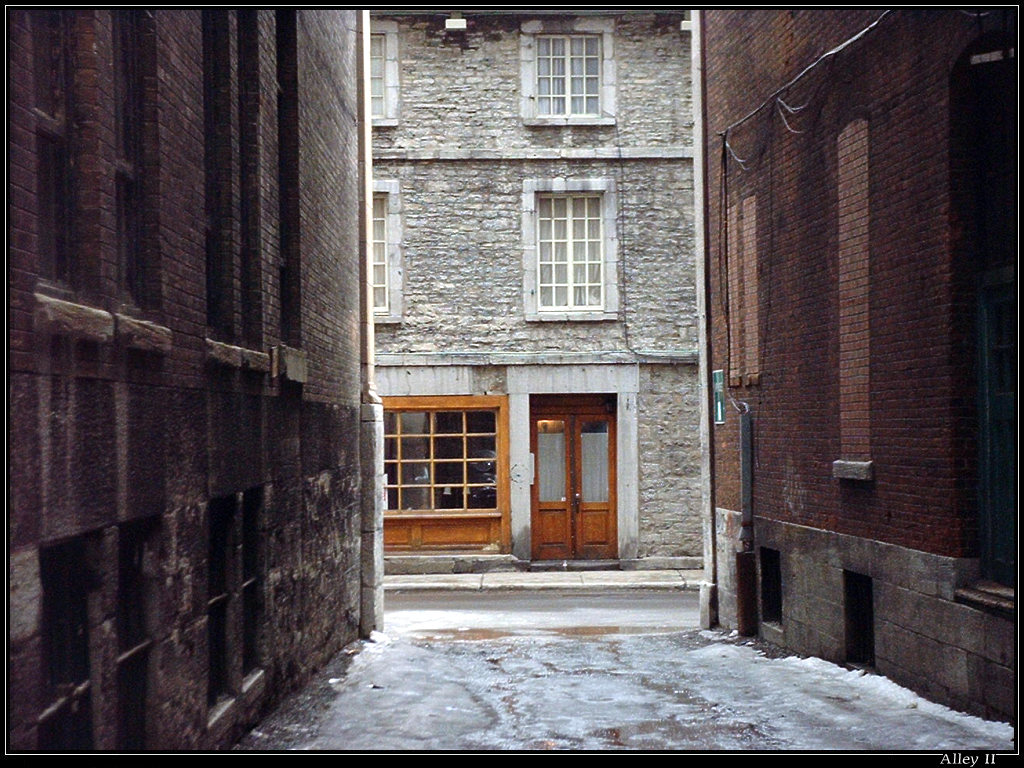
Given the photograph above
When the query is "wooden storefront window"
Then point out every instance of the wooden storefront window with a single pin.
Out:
(446, 467)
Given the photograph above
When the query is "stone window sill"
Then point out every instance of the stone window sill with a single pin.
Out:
(61, 317)
(853, 470)
(558, 122)
(571, 317)
(219, 353)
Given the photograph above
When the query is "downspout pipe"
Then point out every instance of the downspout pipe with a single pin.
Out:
(709, 585)
(746, 558)
(371, 410)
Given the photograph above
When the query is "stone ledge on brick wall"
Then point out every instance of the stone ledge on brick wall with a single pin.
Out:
(853, 470)
(67, 318)
(143, 335)
(220, 353)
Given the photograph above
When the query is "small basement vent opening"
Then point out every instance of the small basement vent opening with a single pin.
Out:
(860, 620)
(771, 585)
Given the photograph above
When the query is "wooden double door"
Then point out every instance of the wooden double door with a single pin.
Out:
(573, 509)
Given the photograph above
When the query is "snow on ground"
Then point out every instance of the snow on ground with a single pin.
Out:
(819, 705)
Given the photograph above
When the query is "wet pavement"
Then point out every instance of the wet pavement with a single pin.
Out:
(587, 670)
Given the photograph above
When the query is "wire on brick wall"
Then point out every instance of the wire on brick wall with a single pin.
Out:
(824, 57)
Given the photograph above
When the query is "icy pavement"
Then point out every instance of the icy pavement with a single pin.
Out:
(601, 688)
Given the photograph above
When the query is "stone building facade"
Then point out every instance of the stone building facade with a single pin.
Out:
(535, 288)
(861, 177)
(184, 349)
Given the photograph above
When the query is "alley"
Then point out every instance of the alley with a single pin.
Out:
(579, 670)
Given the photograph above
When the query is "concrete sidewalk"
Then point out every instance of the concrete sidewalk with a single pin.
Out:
(535, 580)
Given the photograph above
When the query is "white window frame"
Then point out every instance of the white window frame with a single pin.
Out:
(530, 31)
(533, 191)
(389, 31)
(391, 190)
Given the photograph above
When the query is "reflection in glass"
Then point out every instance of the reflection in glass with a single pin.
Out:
(551, 460)
(414, 423)
(594, 461)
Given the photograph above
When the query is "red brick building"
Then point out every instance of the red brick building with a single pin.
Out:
(861, 260)
(185, 217)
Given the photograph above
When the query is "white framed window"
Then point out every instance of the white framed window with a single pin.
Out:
(379, 261)
(569, 75)
(570, 253)
(386, 251)
(567, 72)
(384, 73)
(569, 261)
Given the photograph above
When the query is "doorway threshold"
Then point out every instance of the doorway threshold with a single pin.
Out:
(575, 565)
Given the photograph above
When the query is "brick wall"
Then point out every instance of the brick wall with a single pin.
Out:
(789, 161)
(131, 413)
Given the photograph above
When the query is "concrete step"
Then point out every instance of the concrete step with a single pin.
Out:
(476, 562)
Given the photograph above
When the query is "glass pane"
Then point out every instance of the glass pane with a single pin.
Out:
(480, 472)
(547, 297)
(414, 423)
(448, 497)
(544, 46)
(390, 448)
(392, 498)
(390, 422)
(579, 297)
(592, 108)
(592, 45)
(415, 474)
(448, 447)
(391, 470)
(485, 497)
(561, 297)
(545, 274)
(480, 421)
(448, 422)
(594, 461)
(594, 273)
(551, 460)
(449, 473)
(592, 65)
(578, 105)
(416, 498)
(415, 448)
(595, 296)
(560, 250)
(481, 448)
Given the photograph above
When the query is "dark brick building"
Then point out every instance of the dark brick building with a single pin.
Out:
(861, 257)
(185, 369)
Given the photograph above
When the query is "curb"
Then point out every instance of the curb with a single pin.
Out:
(586, 580)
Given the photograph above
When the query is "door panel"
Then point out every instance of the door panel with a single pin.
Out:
(574, 513)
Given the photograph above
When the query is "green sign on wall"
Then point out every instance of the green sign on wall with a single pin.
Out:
(718, 385)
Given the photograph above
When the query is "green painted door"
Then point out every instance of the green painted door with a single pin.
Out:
(998, 433)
